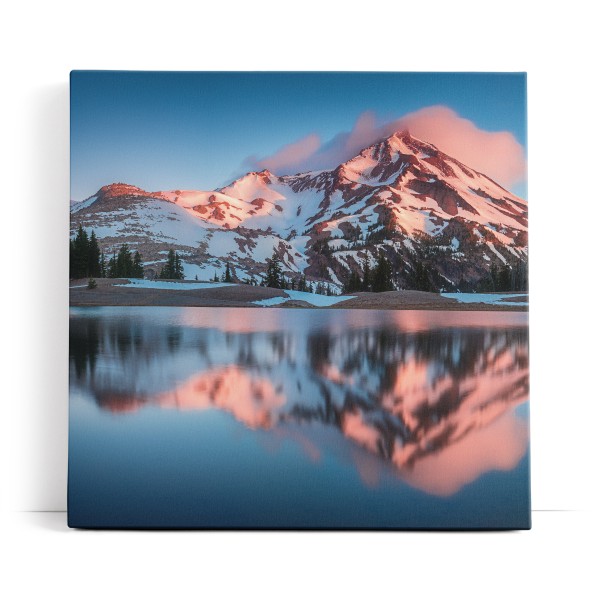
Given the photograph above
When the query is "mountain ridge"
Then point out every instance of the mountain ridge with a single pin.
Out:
(401, 196)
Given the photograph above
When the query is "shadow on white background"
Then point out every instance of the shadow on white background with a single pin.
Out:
(41, 232)
(42, 41)
(564, 346)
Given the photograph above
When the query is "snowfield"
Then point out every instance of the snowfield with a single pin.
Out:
(171, 285)
(314, 299)
(393, 196)
(498, 299)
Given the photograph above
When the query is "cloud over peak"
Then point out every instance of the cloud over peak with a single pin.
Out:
(497, 154)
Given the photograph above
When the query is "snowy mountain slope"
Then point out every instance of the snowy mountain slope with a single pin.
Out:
(400, 196)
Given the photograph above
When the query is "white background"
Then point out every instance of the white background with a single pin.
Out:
(553, 41)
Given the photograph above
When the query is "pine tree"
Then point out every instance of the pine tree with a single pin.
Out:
(171, 263)
(80, 254)
(124, 266)
(227, 278)
(173, 269)
(112, 266)
(93, 268)
(274, 274)
(519, 276)
(421, 280)
(85, 256)
(382, 276)
(504, 278)
(71, 259)
(102, 265)
(138, 267)
(353, 283)
(178, 267)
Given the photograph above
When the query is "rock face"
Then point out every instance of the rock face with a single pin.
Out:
(401, 197)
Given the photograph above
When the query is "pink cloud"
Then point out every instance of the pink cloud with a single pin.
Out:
(497, 154)
(290, 154)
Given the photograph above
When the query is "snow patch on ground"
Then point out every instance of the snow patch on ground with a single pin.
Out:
(498, 299)
(314, 299)
(271, 301)
(203, 272)
(171, 285)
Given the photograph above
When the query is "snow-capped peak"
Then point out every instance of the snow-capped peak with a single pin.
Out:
(391, 196)
(115, 190)
(402, 134)
(252, 185)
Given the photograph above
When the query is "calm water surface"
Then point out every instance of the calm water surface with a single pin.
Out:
(215, 417)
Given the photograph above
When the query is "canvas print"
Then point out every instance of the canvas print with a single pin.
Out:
(298, 301)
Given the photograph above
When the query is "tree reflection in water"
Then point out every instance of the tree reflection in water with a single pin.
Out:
(436, 405)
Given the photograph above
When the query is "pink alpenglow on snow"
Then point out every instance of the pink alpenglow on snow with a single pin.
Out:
(498, 154)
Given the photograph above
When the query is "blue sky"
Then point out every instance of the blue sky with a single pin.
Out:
(169, 130)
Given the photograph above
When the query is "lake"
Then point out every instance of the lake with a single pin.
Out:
(298, 418)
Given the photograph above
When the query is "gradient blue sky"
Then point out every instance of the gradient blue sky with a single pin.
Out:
(184, 130)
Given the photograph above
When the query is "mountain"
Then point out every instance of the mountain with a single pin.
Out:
(403, 197)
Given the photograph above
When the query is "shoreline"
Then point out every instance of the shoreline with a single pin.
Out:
(111, 292)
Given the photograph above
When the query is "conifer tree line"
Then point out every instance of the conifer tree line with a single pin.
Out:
(86, 259)
(379, 279)
(173, 269)
(275, 278)
(124, 264)
(84, 255)
(422, 275)
(507, 278)
(227, 276)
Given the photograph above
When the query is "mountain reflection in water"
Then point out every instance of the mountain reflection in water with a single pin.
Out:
(430, 395)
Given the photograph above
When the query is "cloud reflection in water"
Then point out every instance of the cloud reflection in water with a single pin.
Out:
(430, 395)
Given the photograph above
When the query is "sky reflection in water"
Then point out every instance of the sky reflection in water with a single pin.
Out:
(343, 418)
